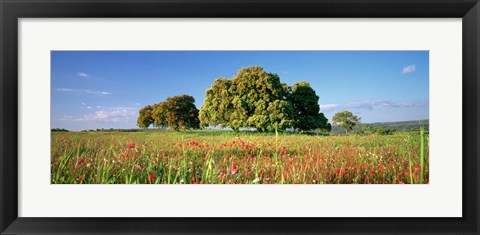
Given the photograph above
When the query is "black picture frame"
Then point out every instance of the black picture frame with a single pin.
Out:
(12, 10)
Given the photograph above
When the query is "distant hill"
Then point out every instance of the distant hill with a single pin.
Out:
(397, 126)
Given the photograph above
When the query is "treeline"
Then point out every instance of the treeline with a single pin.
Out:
(405, 125)
(386, 128)
(251, 99)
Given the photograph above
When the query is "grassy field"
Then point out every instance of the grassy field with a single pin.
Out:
(226, 157)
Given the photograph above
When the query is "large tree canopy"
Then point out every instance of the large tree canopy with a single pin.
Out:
(326, 127)
(252, 98)
(217, 108)
(346, 120)
(306, 111)
(159, 114)
(177, 112)
(182, 113)
(145, 119)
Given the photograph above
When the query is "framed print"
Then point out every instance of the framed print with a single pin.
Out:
(239, 117)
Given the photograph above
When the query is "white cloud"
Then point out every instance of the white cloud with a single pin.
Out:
(88, 107)
(137, 104)
(409, 69)
(84, 91)
(83, 104)
(113, 114)
(83, 74)
(372, 104)
(328, 106)
(65, 89)
(66, 118)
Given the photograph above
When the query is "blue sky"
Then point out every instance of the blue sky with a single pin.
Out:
(105, 89)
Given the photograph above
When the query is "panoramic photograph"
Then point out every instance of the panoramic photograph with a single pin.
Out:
(239, 117)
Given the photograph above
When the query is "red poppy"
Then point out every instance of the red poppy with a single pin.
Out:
(126, 154)
(337, 171)
(416, 176)
(130, 145)
(80, 161)
(152, 177)
(235, 169)
(417, 169)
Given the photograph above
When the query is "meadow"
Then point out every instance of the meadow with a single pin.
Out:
(227, 157)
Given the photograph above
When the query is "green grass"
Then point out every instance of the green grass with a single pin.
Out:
(227, 157)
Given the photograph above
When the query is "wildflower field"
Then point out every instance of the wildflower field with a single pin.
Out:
(227, 157)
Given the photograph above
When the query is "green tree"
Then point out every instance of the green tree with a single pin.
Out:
(181, 113)
(252, 98)
(306, 111)
(217, 108)
(177, 112)
(159, 115)
(278, 114)
(145, 119)
(325, 127)
(345, 120)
